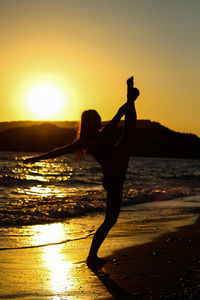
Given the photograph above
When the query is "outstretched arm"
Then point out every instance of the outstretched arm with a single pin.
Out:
(56, 152)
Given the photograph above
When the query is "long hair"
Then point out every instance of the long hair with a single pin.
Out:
(89, 127)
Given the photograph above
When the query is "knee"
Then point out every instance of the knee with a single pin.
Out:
(110, 222)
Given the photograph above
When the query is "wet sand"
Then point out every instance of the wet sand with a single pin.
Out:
(167, 268)
(137, 269)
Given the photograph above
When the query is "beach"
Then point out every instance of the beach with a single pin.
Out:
(167, 268)
(50, 211)
(146, 257)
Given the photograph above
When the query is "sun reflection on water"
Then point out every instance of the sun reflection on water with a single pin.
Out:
(59, 268)
(44, 191)
(41, 191)
(44, 171)
(53, 257)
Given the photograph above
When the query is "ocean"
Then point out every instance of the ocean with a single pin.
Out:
(50, 210)
(59, 189)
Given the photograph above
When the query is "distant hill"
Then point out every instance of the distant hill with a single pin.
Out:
(150, 139)
(8, 125)
(35, 138)
(68, 124)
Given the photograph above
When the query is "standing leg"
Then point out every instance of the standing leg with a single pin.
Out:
(112, 212)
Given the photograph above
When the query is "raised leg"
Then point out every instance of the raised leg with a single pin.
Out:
(130, 116)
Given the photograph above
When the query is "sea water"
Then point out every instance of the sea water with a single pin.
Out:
(59, 201)
(50, 209)
(59, 189)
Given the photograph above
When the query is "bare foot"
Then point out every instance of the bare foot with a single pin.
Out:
(95, 263)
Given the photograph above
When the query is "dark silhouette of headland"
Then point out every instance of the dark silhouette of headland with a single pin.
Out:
(151, 139)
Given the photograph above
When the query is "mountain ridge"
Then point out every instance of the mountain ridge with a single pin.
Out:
(149, 138)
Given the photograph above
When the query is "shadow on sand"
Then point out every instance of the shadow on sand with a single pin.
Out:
(112, 287)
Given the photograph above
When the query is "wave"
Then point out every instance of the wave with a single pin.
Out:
(47, 244)
(12, 181)
(52, 209)
(191, 180)
(53, 191)
(6, 180)
(182, 176)
(187, 177)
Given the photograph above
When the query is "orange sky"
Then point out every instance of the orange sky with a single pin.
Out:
(88, 48)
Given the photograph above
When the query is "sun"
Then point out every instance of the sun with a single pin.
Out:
(45, 100)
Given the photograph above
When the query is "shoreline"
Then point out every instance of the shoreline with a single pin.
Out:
(165, 268)
(47, 261)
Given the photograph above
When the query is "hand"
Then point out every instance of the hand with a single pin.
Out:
(31, 160)
(134, 94)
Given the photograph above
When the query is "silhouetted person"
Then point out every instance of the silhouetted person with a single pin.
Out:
(113, 159)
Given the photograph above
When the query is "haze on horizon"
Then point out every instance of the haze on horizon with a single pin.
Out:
(84, 50)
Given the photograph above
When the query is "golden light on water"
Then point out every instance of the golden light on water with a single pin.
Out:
(59, 268)
(45, 191)
(45, 100)
(44, 172)
(54, 258)
(51, 233)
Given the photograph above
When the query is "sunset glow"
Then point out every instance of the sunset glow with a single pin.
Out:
(45, 100)
(70, 43)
